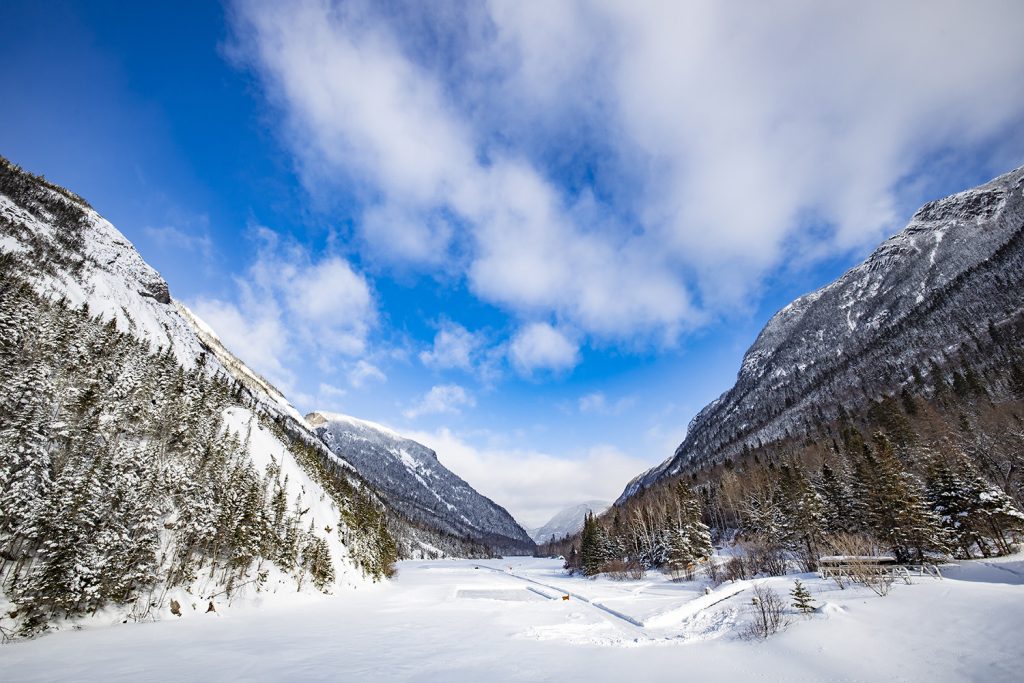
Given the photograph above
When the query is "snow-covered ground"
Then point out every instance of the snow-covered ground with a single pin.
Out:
(505, 620)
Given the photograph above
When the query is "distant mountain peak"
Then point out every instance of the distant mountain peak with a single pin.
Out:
(568, 521)
(413, 480)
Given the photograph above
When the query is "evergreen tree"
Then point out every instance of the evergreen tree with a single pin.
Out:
(895, 508)
(594, 546)
(25, 469)
(838, 508)
(801, 598)
(804, 511)
(970, 509)
(1017, 377)
(687, 537)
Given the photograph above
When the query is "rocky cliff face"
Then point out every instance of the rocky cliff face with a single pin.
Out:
(413, 481)
(914, 309)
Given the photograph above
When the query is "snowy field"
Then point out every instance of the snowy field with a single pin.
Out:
(506, 620)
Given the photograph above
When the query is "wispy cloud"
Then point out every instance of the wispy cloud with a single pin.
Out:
(715, 142)
(290, 302)
(597, 403)
(170, 237)
(363, 371)
(539, 346)
(454, 347)
(441, 399)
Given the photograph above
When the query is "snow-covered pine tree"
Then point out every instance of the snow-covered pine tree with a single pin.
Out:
(688, 540)
(801, 598)
(972, 511)
(647, 536)
(763, 516)
(951, 499)
(838, 508)
(803, 509)
(593, 546)
(25, 441)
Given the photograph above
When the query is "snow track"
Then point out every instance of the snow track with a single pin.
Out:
(619, 619)
(671, 618)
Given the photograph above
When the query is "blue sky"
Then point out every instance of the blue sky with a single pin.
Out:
(538, 237)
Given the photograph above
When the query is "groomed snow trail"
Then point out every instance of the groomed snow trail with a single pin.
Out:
(671, 617)
(637, 626)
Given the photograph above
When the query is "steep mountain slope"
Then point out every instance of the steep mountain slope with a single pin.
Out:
(413, 481)
(569, 521)
(914, 313)
(128, 431)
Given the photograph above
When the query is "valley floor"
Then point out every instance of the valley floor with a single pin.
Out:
(505, 620)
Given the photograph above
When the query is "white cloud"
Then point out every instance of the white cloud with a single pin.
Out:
(531, 484)
(398, 235)
(363, 372)
(330, 289)
(454, 347)
(292, 303)
(331, 391)
(752, 119)
(714, 134)
(326, 303)
(539, 346)
(357, 106)
(257, 336)
(443, 398)
(593, 403)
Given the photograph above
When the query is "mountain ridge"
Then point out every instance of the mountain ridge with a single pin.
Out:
(830, 342)
(568, 521)
(413, 479)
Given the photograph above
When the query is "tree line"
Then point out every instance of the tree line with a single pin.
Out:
(897, 480)
(119, 480)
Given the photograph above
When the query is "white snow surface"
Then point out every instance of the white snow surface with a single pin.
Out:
(505, 620)
(302, 492)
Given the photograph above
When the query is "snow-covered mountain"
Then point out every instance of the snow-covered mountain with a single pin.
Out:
(911, 314)
(108, 383)
(413, 480)
(569, 521)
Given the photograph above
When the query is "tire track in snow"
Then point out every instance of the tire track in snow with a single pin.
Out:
(677, 616)
(633, 626)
